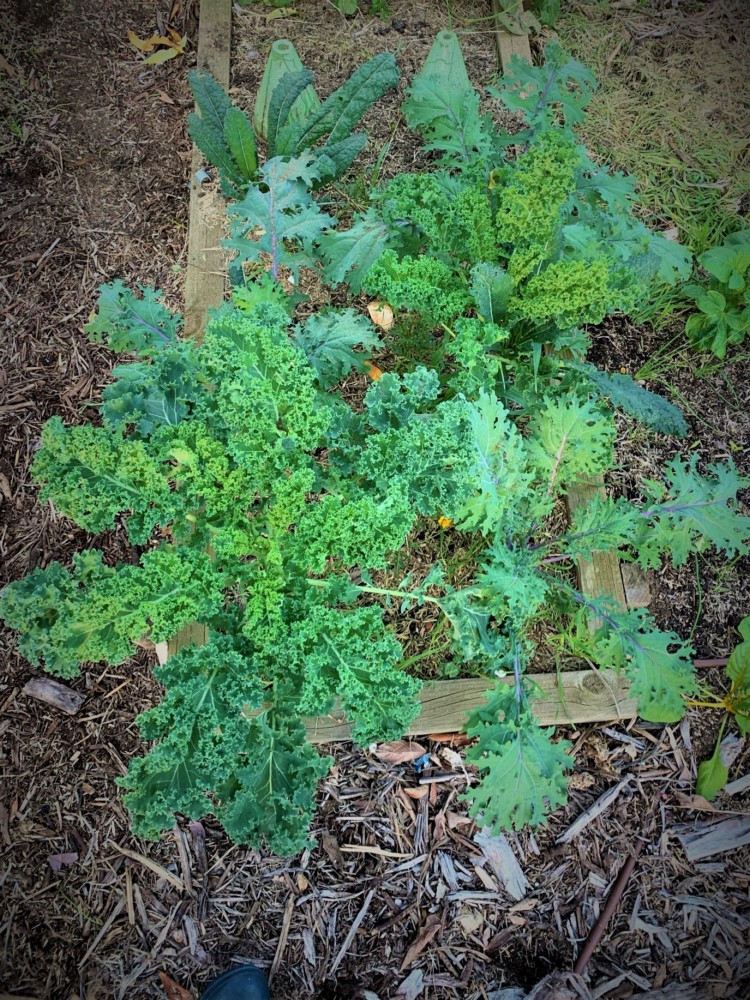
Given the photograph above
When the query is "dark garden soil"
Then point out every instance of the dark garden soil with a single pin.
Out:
(397, 899)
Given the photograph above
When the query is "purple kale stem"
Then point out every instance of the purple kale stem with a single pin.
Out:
(153, 329)
(675, 508)
(613, 624)
(663, 509)
(517, 675)
(274, 237)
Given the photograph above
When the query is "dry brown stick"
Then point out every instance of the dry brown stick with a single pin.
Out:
(613, 900)
(283, 936)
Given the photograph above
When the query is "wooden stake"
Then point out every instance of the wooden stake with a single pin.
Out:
(205, 281)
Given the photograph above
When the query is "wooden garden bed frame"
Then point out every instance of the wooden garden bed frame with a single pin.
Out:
(570, 697)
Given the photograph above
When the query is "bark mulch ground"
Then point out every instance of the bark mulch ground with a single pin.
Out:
(400, 897)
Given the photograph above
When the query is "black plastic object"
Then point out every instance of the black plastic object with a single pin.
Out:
(245, 982)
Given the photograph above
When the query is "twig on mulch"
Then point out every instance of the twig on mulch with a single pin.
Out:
(613, 900)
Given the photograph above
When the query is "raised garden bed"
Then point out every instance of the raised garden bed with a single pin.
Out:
(574, 697)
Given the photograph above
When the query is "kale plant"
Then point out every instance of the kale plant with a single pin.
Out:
(508, 257)
(267, 506)
(290, 118)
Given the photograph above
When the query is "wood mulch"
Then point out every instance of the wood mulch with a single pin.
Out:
(401, 896)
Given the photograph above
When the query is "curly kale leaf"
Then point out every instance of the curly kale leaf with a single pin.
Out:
(279, 216)
(420, 284)
(394, 400)
(475, 345)
(328, 340)
(272, 797)
(351, 655)
(92, 475)
(500, 475)
(571, 292)
(360, 531)
(350, 253)
(98, 612)
(570, 438)
(265, 393)
(431, 460)
(257, 774)
(690, 512)
(160, 392)
(531, 196)
(449, 218)
(521, 771)
(202, 727)
(625, 393)
(128, 323)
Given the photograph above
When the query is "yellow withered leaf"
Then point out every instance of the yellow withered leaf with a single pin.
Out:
(162, 55)
(142, 44)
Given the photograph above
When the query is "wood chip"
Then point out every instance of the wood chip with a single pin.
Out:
(173, 990)
(595, 809)
(423, 938)
(400, 752)
(103, 931)
(152, 865)
(503, 862)
(703, 840)
(412, 986)
(738, 786)
(55, 694)
(331, 846)
(372, 849)
(283, 937)
(352, 931)
(59, 861)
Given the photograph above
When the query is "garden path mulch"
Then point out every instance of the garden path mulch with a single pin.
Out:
(397, 898)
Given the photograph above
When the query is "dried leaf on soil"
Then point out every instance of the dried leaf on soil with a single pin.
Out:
(399, 752)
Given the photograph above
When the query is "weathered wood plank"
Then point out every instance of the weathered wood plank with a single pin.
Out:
(509, 45)
(601, 577)
(205, 280)
(572, 697)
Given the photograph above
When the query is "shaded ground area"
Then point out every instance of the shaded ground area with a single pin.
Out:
(398, 898)
(674, 105)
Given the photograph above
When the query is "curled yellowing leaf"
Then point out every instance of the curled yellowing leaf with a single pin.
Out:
(381, 314)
